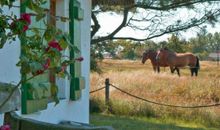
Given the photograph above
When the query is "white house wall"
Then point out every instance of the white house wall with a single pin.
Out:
(85, 45)
(9, 56)
(77, 111)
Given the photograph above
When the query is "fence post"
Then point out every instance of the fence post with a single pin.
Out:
(107, 84)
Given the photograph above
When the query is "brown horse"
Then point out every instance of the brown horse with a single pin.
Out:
(178, 60)
(151, 54)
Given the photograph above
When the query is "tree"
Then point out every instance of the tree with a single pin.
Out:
(216, 42)
(156, 17)
(175, 44)
(200, 44)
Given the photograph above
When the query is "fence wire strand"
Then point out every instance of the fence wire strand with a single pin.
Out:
(163, 104)
(97, 90)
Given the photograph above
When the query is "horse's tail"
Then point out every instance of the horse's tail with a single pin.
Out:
(197, 63)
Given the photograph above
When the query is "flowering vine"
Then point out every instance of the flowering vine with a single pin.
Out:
(42, 48)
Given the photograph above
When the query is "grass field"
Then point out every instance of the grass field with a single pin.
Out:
(140, 80)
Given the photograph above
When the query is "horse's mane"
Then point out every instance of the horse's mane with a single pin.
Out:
(168, 50)
(149, 50)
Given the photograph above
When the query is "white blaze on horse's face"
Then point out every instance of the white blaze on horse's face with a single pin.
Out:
(158, 55)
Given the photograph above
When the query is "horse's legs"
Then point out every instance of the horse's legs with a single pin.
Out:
(192, 70)
(178, 71)
(158, 69)
(172, 70)
(155, 69)
(196, 71)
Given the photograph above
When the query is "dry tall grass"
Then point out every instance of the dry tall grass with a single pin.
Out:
(140, 80)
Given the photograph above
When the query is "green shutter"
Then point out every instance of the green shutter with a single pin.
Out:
(77, 82)
(36, 92)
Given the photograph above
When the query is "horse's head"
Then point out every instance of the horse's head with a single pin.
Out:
(146, 55)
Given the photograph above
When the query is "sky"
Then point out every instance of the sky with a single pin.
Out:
(109, 21)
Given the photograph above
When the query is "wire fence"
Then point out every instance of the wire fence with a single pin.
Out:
(147, 100)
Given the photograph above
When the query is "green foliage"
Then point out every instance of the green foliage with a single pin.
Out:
(95, 56)
(94, 64)
(175, 44)
(97, 105)
(204, 44)
(120, 107)
(6, 2)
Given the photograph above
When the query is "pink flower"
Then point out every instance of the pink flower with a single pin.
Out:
(5, 127)
(26, 17)
(54, 44)
(79, 59)
(25, 28)
(39, 72)
(63, 68)
(47, 64)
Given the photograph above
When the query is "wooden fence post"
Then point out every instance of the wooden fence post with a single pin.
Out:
(107, 84)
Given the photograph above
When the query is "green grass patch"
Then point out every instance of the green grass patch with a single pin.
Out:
(165, 114)
(141, 123)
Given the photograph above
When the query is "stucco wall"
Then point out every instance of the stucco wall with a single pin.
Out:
(9, 56)
(71, 110)
(66, 110)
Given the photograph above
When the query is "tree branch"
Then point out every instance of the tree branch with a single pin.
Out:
(96, 25)
(110, 36)
(174, 5)
(169, 29)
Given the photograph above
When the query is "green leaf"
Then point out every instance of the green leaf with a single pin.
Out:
(35, 30)
(40, 16)
(63, 43)
(50, 32)
(3, 41)
(35, 66)
(25, 68)
(47, 35)
(66, 37)
(33, 5)
(61, 75)
(75, 49)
